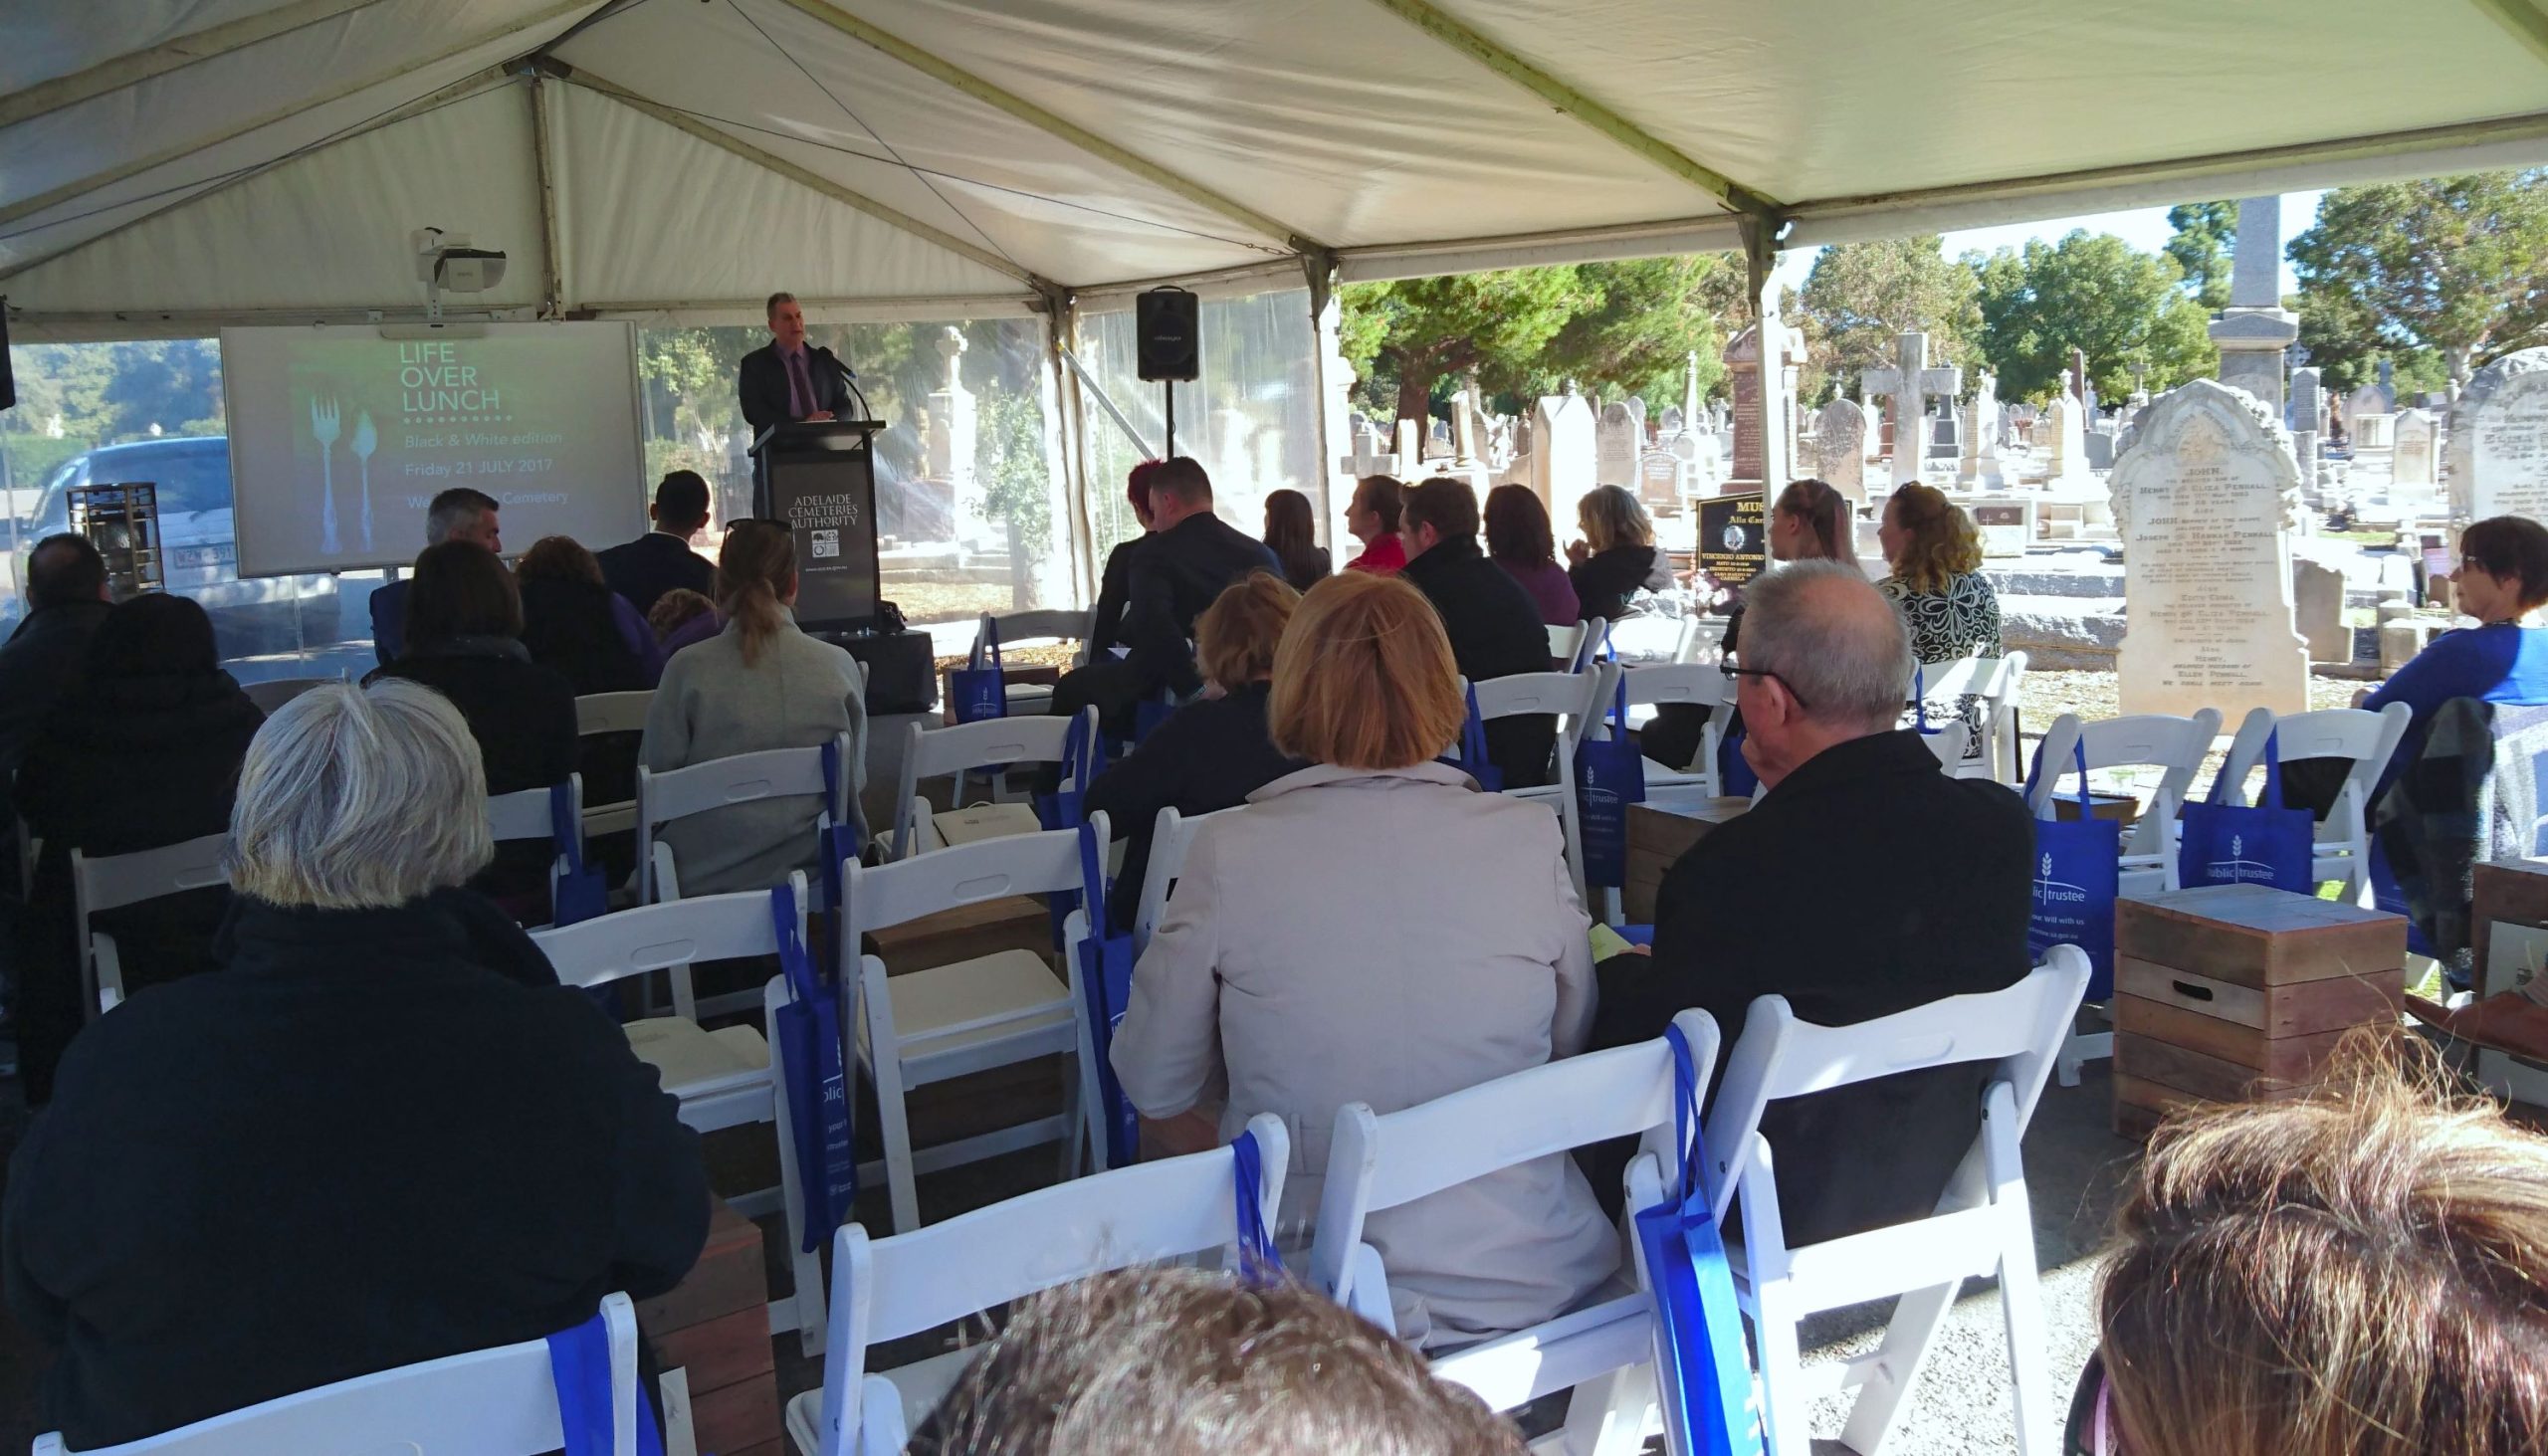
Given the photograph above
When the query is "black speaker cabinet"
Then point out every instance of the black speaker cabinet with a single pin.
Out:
(1168, 322)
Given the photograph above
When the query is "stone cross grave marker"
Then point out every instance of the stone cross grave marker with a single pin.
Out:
(2495, 455)
(1615, 446)
(1910, 381)
(2256, 329)
(2206, 494)
(1369, 458)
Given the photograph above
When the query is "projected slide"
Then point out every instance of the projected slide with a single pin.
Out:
(340, 436)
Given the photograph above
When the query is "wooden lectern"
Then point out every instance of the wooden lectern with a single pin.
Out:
(819, 479)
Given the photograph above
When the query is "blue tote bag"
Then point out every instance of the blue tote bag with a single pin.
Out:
(581, 894)
(839, 841)
(1106, 981)
(1609, 775)
(1259, 1260)
(1703, 1375)
(2078, 868)
(977, 691)
(1472, 758)
(579, 1367)
(2229, 844)
(1083, 755)
(817, 1090)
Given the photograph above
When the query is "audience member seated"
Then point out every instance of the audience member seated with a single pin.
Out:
(758, 684)
(40, 666)
(661, 561)
(1212, 752)
(356, 1146)
(1494, 626)
(1175, 573)
(1519, 540)
(1291, 534)
(2501, 578)
(572, 622)
(1617, 556)
(680, 617)
(144, 753)
(1372, 518)
(2364, 1273)
(1374, 930)
(1189, 1363)
(457, 515)
(1115, 584)
(1934, 554)
(1864, 883)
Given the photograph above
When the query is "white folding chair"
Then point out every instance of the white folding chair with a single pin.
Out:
(722, 1078)
(2175, 745)
(1982, 1227)
(111, 882)
(1590, 633)
(1994, 680)
(1169, 839)
(887, 1288)
(1376, 1163)
(1049, 624)
(947, 1021)
(2342, 850)
(1563, 642)
(489, 1402)
(612, 712)
(1690, 685)
(1948, 743)
(275, 693)
(525, 814)
(1575, 699)
(952, 752)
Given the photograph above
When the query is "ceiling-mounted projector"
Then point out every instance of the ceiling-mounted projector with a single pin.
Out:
(446, 263)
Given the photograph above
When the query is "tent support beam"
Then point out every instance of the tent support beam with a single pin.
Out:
(135, 66)
(552, 268)
(1459, 36)
(2526, 22)
(55, 196)
(476, 80)
(810, 180)
(1051, 124)
(1771, 403)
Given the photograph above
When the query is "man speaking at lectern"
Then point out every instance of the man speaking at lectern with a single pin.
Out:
(785, 381)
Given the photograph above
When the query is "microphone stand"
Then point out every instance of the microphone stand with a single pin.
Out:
(849, 378)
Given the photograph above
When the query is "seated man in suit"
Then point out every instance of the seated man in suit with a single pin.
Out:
(788, 380)
(1494, 625)
(1864, 883)
(661, 561)
(457, 515)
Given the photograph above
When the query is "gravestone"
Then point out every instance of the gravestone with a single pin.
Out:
(1660, 479)
(2410, 463)
(2319, 607)
(2064, 434)
(1369, 458)
(1946, 433)
(1743, 360)
(1410, 445)
(2005, 522)
(2098, 443)
(1980, 468)
(1562, 451)
(1842, 465)
(1464, 433)
(1615, 446)
(2256, 329)
(2307, 412)
(2205, 494)
(2495, 455)
(1910, 381)
(953, 424)
(1671, 421)
(2369, 416)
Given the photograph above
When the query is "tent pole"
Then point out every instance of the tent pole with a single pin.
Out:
(553, 269)
(1760, 262)
(1326, 316)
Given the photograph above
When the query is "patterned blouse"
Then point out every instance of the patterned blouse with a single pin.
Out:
(1962, 621)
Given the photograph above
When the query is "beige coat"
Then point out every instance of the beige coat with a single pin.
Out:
(1387, 937)
(710, 704)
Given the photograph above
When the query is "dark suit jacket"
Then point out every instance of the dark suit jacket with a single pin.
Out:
(644, 569)
(1866, 883)
(762, 384)
(389, 619)
(523, 715)
(274, 1177)
(1210, 755)
(1174, 575)
(1106, 627)
(39, 668)
(1496, 632)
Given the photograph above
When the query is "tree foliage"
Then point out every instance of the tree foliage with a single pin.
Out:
(1862, 296)
(2206, 235)
(2096, 294)
(2456, 264)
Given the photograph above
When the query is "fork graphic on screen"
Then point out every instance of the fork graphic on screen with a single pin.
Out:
(323, 428)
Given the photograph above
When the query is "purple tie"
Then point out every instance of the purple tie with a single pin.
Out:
(800, 392)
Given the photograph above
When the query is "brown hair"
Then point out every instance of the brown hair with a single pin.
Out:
(2514, 546)
(1364, 678)
(1290, 530)
(1944, 544)
(1236, 637)
(1610, 517)
(559, 559)
(1825, 510)
(674, 609)
(1516, 528)
(1382, 494)
(1169, 1361)
(755, 569)
(2364, 1273)
(1447, 505)
(1184, 477)
(461, 590)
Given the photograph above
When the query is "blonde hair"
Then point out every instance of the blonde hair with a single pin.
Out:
(1943, 542)
(755, 566)
(2364, 1273)
(675, 608)
(1364, 678)
(1236, 637)
(359, 799)
(1610, 517)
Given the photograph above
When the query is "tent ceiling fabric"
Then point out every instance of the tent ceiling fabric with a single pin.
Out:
(202, 158)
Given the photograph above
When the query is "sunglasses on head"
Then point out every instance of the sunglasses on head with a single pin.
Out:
(2092, 1429)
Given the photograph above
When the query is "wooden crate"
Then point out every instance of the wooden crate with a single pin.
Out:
(2241, 993)
(715, 1327)
(1658, 837)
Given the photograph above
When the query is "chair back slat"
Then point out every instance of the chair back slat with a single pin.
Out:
(875, 896)
(677, 932)
(991, 743)
(613, 713)
(523, 813)
(1566, 695)
(1698, 685)
(741, 779)
(111, 882)
(1170, 838)
(275, 693)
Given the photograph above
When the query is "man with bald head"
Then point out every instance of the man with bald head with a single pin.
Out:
(1864, 882)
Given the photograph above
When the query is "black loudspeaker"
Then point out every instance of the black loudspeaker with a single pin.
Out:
(1168, 322)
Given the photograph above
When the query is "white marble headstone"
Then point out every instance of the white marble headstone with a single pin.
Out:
(2496, 454)
(1562, 452)
(2410, 466)
(1615, 442)
(1842, 464)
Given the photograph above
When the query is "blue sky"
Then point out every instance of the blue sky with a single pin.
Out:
(2145, 228)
